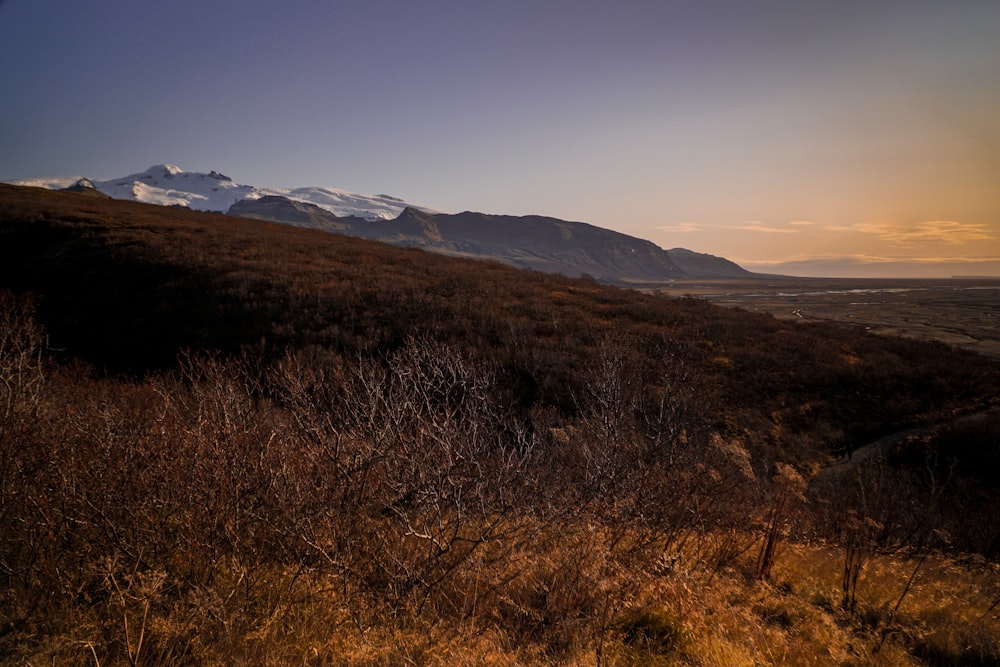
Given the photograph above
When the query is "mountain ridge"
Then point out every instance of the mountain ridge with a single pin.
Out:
(167, 185)
(535, 242)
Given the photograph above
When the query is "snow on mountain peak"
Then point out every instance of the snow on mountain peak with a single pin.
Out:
(169, 185)
(158, 171)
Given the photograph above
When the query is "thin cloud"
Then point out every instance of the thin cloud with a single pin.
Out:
(866, 258)
(682, 227)
(873, 266)
(760, 227)
(932, 231)
(954, 260)
(801, 258)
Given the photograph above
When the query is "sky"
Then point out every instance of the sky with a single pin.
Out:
(808, 137)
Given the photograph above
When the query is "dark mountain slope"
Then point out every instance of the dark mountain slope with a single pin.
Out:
(531, 242)
(86, 187)
(699, 265)
(552, 245)
(301, 214)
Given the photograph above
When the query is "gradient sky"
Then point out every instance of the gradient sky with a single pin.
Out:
(807, 137)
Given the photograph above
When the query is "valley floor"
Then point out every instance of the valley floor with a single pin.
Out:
(960, 312)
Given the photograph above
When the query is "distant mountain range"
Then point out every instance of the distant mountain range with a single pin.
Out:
(532, 242)
(168, 185)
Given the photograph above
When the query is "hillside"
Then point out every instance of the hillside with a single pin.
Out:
(530, 242)
(127, 286)
(233, 429)
(533, 242)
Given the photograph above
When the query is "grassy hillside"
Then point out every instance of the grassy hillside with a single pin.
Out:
(231, 441)
(128, 286)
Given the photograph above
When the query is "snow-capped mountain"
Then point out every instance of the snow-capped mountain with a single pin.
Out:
(532, 242)
(168, 185)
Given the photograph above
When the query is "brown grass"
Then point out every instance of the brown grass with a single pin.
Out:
(669, 619)
(318, 462)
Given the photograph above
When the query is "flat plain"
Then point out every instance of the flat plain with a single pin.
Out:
(963, 312)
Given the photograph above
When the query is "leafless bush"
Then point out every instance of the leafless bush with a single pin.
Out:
(21, 394)
(424, 465)
(643, 468)
(21, 346)
(868, 507)
(789, 490)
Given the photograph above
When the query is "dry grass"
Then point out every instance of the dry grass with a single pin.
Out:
(425, 467)
(570, 605)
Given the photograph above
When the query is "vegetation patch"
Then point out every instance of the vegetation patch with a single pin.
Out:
(277, 446)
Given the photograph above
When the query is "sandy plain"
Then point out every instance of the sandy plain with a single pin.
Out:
(964, 312)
